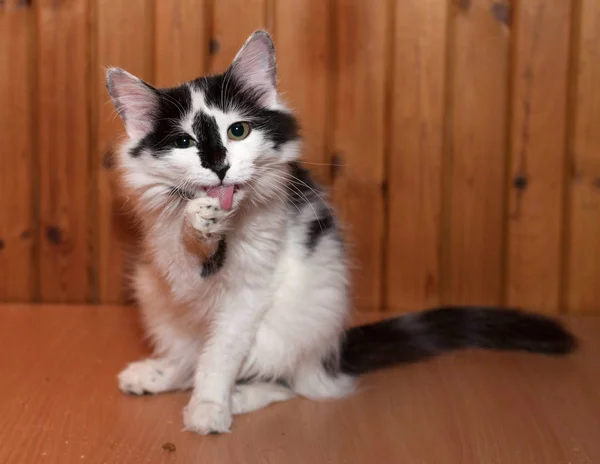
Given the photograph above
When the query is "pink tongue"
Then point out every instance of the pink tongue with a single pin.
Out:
(224, 194)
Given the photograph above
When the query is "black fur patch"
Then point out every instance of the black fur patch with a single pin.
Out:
(304, 192)
(216, 261)
(419, 336)
(301, 188)
(225, 93)
(173, 105)
(211, 150)
(331, 364)
(317, 229)
(256, 378)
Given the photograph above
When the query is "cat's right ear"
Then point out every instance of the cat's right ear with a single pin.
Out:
(136, 101)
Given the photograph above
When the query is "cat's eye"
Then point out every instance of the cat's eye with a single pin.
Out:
(238, 130)
(184, 141)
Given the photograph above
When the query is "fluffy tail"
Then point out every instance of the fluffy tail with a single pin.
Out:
(418, 336)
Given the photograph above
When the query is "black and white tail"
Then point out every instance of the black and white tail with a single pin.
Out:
(417, 336)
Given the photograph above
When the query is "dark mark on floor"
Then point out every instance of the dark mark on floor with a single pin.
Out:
(170, 447)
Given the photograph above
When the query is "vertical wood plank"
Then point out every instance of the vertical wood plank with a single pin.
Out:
(182, 41)
(537, 154)
(415, 159)
(233, 22)
(123, 36)
(361, 42)
(476, 158)
(17, 275)
(302, 40)
(583, 288)
(64, 263)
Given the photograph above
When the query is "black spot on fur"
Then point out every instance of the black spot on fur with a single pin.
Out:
(216, 261)
(317, 229)
(304, 192)
(268, 379)
(419, 336)
(173, 105)
(210, 148)
(331, 363)
(301, 188)
(224, 92)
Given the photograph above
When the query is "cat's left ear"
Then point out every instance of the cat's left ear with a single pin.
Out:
(136, 101)
(254, 67)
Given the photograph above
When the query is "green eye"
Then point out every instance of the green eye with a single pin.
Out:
(184, 141)
(238, 131)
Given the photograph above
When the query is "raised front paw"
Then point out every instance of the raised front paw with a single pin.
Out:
(206, 417)
(207, 217)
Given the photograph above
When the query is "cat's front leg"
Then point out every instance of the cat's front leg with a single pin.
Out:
(175, 348)
(232, 333)
(204, 229)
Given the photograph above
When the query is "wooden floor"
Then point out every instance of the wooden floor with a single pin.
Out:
(59, 404)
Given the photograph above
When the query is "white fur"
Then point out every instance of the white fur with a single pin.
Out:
(273, 310)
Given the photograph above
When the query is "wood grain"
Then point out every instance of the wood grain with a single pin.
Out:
(60, 404)
(440, 127)
(537, 154)
(63, 138)
(116, 24)
(361, 44)
(476, 158)
(232, 23)
(415, 156)
(17, 224)
(583, 268)
(181, 41)
(304, 66)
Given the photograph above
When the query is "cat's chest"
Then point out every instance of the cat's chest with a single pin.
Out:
(245, 260)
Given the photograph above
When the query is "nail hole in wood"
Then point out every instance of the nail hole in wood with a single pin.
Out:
(464, 4)
(502, 12)
(520, 182)
(214, 46)
(54, 235)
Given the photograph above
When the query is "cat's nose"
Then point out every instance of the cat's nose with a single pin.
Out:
(220, 171)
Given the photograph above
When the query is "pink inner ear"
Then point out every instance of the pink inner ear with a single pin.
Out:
(254, 67)
(135, 101)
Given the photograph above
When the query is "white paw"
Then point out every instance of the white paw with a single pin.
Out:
(145, 377)
(205, 417)
(254, 396)
(206, 216)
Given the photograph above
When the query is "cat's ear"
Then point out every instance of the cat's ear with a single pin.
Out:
(136, 101)
(254, 67)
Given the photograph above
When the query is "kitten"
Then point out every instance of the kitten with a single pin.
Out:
(243, 287)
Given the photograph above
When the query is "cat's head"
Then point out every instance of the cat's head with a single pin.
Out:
(226, 135)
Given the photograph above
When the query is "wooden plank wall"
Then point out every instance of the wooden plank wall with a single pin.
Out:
(459, 140)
